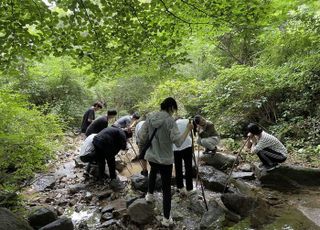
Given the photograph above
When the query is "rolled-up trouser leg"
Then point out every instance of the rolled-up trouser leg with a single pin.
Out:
(269, 156)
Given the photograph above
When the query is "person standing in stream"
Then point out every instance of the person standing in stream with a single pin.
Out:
(160, 153)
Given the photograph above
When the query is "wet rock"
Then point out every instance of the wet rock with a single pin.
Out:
(83, 226)
(45, 182)
(120, 208)
(197, 206)
(243, 175)
(108, 223)
(245, 167)
(88, 197)
(218, 160)
(119, 213)
(212, 178)
(8, 220)
(140, 182)
(244, 187)
(60, 224)
(104, 194)
(242, 204)
(73, 189)
(287, 176)
(41, 217)
(108, 208)
(117, 185)
(141, 212)
(106, 216)
(214, 217)
(130, 200)
(120, 165)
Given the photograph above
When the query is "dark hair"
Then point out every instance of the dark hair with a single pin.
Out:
(135, 116)
(98, 104)
(112, 112)
(197, 119)
(169, 104)
(254, 129)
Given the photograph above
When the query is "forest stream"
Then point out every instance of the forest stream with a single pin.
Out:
(92, 205)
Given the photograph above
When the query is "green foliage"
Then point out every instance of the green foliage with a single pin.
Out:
(185, 92)
(55, 85)
(28, 138)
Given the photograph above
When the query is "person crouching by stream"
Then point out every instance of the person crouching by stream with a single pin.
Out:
(160, 153)
(269, 149)
(107, 144)
(208, 136)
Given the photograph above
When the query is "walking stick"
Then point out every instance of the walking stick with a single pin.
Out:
(135, 153)
(234, 163)
(197, 169)
(198, 148)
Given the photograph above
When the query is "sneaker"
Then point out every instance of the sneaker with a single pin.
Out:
(182, 191)
(271, 167)
(207, 151)
(144, 173)
(167, 222)
(149, 197)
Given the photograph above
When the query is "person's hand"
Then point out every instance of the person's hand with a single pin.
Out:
(190, 126)
(249, 135)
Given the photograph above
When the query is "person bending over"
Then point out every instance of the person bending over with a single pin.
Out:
(127, 121)
(107, 144)
(208, 136)
(102, 122)
(269, 149)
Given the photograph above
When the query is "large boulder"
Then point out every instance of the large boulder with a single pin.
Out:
(242, 204)
(60, 224)
(214, 217)
(141, 212)
(8, 220)
(45, 182)
(286, 177)
(140, 182)
(218, 160)
(41, 217)
(212, 178)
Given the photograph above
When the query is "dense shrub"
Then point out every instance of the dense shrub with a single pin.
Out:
(28, 138)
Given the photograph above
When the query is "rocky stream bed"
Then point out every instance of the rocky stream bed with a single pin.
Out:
(286, 198)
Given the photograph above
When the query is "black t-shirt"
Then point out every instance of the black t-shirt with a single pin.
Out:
(89, 114)
(97, 125)
(111, 140)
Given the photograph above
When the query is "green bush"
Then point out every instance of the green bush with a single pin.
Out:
(28, 138)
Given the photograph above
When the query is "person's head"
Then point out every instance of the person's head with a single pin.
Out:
(97, 105)
(199, 120)
(128, 132)
(111, 113)
(135, 116)
(169, 105)
(254, 129)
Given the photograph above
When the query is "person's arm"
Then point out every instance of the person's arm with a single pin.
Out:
(178, 139)
(91, 116)
(250, 141)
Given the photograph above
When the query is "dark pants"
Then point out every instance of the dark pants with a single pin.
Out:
(165, 172)
(186, 156)
(101, 156)
(270, 157)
